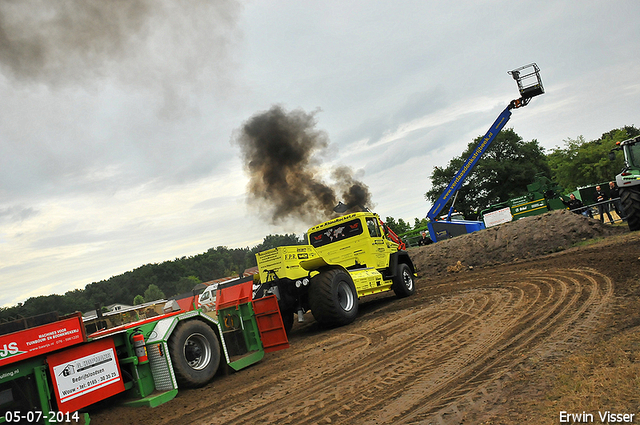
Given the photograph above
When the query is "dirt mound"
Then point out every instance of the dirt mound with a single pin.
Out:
(526, 238)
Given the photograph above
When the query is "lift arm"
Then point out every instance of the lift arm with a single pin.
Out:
(530, 85)
(471, 162)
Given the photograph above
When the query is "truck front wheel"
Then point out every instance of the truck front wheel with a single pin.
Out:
(333, 298)
(403, 284)
(195, 353)
(630, 200)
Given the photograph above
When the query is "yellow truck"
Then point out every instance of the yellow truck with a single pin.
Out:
(345, 258)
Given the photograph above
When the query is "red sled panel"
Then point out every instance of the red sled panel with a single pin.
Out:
(270, 325)
(235, 294)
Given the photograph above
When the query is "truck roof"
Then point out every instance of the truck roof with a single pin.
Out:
(341, 219)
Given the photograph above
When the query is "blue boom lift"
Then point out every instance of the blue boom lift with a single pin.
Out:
(530, 85)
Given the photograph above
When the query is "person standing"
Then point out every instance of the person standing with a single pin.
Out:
(600, 197)
(574, 205)
(614, 195)
(424, 239)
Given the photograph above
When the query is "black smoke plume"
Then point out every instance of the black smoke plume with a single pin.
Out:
(161, 45)
(281, 152)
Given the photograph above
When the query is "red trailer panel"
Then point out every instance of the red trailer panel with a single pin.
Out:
(85, 374)
(31, 342)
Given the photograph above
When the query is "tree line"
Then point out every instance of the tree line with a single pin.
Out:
(510, 164)
(504, 172)
(150, 281)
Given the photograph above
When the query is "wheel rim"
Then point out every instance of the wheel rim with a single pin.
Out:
(197, 351)
(345, 296)
(407, 279)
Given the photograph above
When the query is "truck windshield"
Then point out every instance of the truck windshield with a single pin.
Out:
(335, 233)
(374, 229)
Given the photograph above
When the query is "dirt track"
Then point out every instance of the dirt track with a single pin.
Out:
(450, 354)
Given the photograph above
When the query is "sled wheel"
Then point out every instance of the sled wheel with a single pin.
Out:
(195, 353)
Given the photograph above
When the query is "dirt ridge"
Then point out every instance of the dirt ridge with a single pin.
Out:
(529, 237)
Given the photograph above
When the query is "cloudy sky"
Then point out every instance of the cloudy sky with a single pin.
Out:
(118, 119)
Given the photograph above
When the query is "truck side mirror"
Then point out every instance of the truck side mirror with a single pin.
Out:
(612, 155)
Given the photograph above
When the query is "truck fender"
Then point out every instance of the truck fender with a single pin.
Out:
(397, 258)
(314, 264)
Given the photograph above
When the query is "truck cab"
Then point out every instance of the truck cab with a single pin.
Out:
(345, 259)
(354, 240)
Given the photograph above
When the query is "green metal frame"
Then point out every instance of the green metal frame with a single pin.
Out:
(37, 369)
(239, 329)
(141, 389)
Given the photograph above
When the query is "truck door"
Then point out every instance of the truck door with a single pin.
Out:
(378, 247)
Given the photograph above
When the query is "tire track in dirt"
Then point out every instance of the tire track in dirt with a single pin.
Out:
(551, 333)
(434, 363)
(449, 321)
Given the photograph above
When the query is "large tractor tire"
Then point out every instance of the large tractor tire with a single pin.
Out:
(333, 298)
(195, 353)
(403, 284)
(630, 200)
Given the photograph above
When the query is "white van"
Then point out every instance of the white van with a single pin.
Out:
(207, 300)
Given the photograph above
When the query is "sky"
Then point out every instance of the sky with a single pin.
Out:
(119, 120)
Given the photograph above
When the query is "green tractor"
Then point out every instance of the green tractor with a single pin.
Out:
(628, 180)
